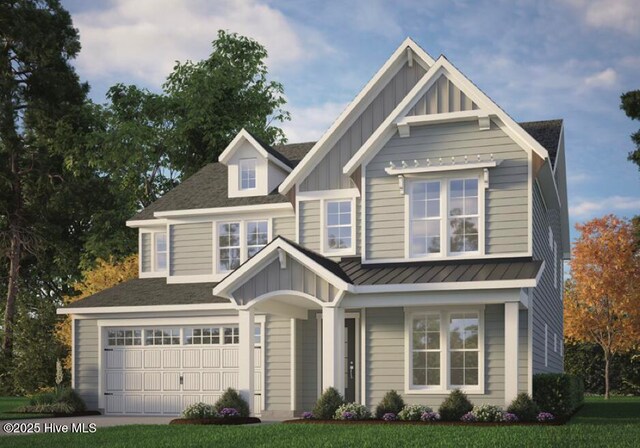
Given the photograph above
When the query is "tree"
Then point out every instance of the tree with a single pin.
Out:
(602, 300)
(40, 98)
(630, 104)
(104, 275)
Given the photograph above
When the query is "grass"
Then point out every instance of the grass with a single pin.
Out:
(598, 424)
(9, 404)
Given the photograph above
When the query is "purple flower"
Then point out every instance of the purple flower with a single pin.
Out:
(389, 417)
(346, 415)
(469, 417)
(229, 412)
(307, 415)
(545, 417)
(430, 417)
(508, 417)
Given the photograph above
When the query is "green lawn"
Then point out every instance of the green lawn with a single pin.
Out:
(9, 404)
(598, 424)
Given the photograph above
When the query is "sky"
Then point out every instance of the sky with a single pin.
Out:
(569, 59)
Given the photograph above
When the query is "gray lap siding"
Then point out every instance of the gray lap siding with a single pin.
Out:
(86, 354)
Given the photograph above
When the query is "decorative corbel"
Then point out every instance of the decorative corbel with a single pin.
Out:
(282, 258)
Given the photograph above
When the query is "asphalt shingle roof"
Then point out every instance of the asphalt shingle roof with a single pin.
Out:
(547, 133)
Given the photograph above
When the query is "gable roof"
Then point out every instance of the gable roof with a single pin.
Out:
(547, 133)
(264, 149)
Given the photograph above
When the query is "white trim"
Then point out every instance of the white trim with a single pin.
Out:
(319, 353)
(446, 286)
(101, 337)
(237, 141)
(511, 348)
(392, 171)
(224, 210)
(445, 370)
(363, 357)
(480, 259)
(147, 308)
(293, 365)
(361, 101)
(346, 193)
(446, 117)
(180, 321)
(324, 250)
(246, 354)
(200, 278)
(333, 348)
(281, 292)
(134, 223)
(443, 67)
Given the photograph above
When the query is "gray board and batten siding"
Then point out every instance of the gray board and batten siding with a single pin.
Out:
(191, 249)
(442, 97)
(506, 215)
(327, 174)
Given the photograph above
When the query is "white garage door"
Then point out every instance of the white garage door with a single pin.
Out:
(161, 370)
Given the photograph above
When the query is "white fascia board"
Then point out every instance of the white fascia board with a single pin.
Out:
(269, 253)
(146, 223)
(438, 168)
(486, 105)
(224, 210)
(549, 188)
(448, 286)
(237, 141)
(395, 61)
(147, 308)
(345, 193)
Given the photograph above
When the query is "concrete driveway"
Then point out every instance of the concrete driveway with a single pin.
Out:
(46, 425)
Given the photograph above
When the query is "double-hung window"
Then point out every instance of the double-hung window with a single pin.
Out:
(257, 236)
(228, 246)
(247, 174)
(464, 349)
(339, 226)
(161, 251)
(425, 350)
(463, 215)
(425, 218)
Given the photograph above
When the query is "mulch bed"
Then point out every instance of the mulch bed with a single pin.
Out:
(215, 421)
(421, 423)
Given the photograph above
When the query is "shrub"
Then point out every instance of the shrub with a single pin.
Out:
(328, 404)
(392, 403)
(307, 415)
(558, 393)
(487, 413)
(455, 406)
(199, 410)
(469, 417)
(232, 399)
(545, 417)
(524, 407)
(509, 417)
(60, 401)
(413, 412)
(389, 417)
(352, 411)
(430, 417)
(229, 413)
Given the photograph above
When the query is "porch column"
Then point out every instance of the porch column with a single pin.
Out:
(246, 323)
(333, 348)
(511, 324)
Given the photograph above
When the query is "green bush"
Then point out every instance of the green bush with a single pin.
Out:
(392, 402)
(413, 412)
(455, 406)
(199, 410)
(487, 413)
(60, 401)
(558, 393)
(328, 404)
(232, 399)
(524, 407)
(352, 411)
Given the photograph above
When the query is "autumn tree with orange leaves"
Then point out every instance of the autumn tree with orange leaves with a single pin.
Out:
(602, 300)
(104, 275)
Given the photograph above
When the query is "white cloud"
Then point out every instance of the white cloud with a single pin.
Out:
(621, 15)
(587, 208)
(578, 178)
(144, 38)
(309, 123)
(603, 79)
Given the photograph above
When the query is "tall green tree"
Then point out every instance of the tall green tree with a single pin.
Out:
(41, 99)
(630, 104)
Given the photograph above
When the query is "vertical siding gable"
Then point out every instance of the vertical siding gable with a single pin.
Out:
(442, 97)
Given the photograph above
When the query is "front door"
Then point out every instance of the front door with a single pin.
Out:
(350, 360)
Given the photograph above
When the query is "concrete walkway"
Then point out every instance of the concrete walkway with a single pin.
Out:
(101, 421)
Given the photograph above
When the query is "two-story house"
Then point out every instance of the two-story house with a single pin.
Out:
(416, 246)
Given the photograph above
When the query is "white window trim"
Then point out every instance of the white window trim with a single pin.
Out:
(323, 228)
(153, 273)
(241, 164)
(243, 240)
(445, 361)
(444, 179)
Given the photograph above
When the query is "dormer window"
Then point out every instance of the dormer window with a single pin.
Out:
(161, 251)
(247, 174)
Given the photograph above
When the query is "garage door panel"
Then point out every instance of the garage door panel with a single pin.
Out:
(115, 381)
(152, 359)
(114, 359)
(171, 404)
(171, 359)
(133, 381)
(171, 381)
(133, 359)
(115, 404)
(211, 358)
(188, 400)
(210, 381)
(210, 399)
(153, 404)
(229, 379)
(191, 358)
(230, 358)
(152, 381)
(191, 381)
(133, 404)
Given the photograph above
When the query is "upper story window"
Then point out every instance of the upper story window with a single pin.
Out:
(247, 174)
(161, 251)
(338, 226)
(239, 241)
(431, 235)
(153, 253)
